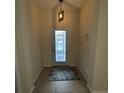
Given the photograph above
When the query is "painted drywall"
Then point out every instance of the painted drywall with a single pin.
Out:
(93, 50)
(46, 35)
(36, 38)
(88, 24)
(23, 46)
(28, 45)
(100, 81)
(20, 79)
(21, 85)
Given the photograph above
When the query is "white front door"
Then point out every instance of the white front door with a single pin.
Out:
(60, 47)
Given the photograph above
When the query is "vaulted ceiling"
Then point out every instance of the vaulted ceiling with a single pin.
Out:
(52, 3)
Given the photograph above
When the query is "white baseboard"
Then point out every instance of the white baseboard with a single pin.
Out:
(90, 89)
(100, 91)
(32, 89)
(96, 91)
(35, 80)
(79, 68)
(59, 65)
(47, 65)
(37, 75)
(73, 65)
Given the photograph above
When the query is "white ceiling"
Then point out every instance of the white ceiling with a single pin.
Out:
(52, 3)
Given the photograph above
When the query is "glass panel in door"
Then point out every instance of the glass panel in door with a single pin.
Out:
(60, 46)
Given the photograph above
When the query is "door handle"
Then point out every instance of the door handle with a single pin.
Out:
(52, 49)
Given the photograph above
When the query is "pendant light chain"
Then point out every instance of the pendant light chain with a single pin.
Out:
(61, 4)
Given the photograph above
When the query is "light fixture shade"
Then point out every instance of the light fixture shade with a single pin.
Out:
(61, 16)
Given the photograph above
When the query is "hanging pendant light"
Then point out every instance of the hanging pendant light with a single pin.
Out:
(61, 12)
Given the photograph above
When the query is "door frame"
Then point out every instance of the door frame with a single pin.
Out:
(54, 63)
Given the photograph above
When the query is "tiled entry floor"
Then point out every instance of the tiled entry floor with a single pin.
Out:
(43, 85)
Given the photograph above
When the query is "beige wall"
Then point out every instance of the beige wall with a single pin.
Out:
(46, 33)
(36, 38)
(23, 63)
(93, 50)
(100, 81)
(88, 24)
(28, 45)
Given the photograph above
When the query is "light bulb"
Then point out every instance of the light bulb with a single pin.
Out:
(60, 15)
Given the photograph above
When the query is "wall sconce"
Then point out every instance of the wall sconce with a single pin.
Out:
(61, 13)
(61, 16)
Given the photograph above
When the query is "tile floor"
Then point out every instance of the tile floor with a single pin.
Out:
(43, 85)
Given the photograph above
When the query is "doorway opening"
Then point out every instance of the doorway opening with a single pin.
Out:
(60, 46)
